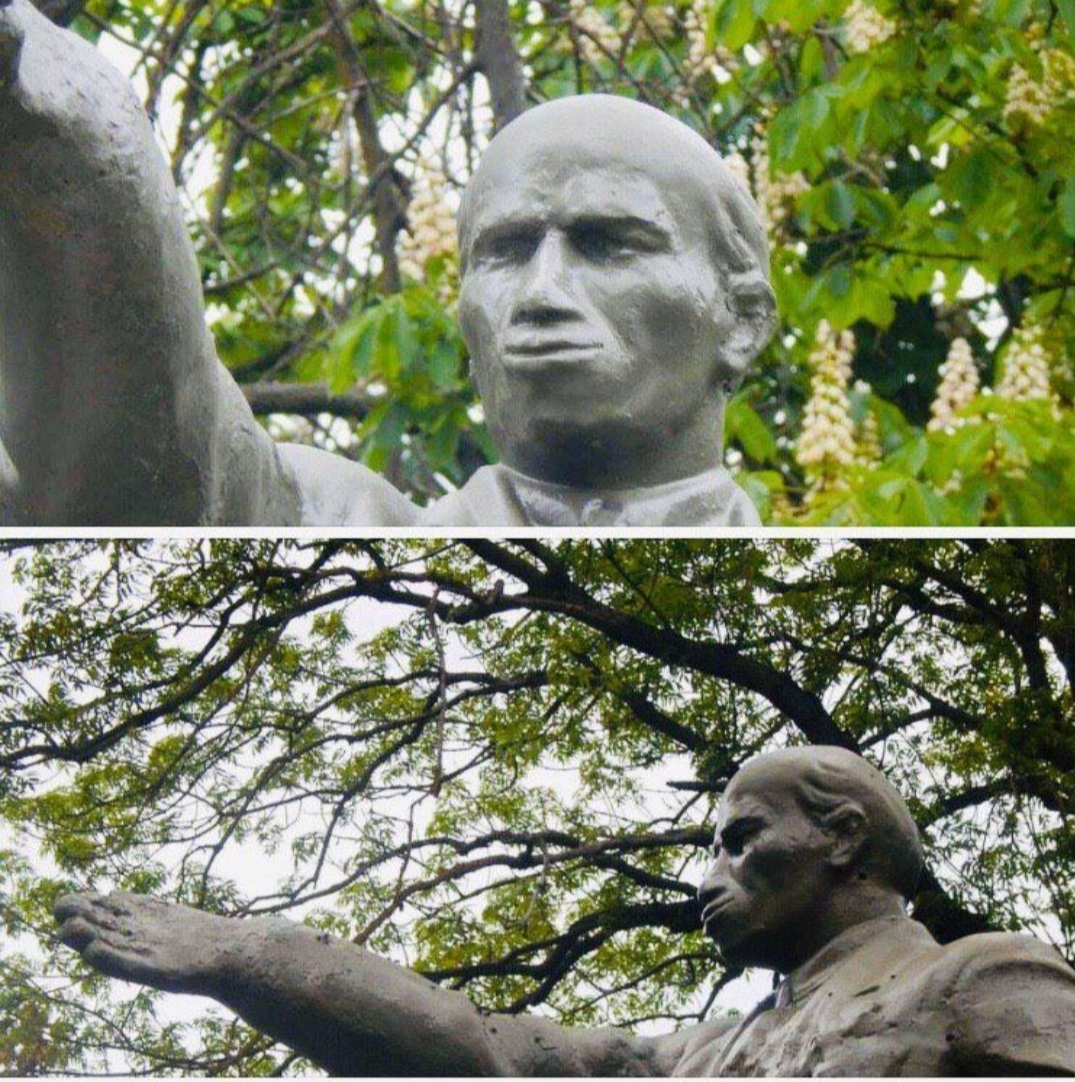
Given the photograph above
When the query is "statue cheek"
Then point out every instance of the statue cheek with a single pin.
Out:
(679, 320)
(767, 869)
(477, 312)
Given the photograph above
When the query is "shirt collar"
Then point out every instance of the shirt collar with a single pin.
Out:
(711, 498)
(800, 982)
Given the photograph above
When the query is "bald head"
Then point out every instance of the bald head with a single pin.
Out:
(824, 781)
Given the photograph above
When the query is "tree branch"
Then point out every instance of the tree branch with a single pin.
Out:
(305, 399)
(498, 60)
(389, 197)
(549, 593)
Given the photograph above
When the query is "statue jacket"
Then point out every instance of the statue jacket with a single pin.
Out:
(500, 496)
(885, 998)
(332, 491)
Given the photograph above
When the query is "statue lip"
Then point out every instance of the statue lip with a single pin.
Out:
(544, 352)
(711, 909)
(541, 346)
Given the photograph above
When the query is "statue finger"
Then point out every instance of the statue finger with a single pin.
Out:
(79, 912)
(75, 905)
(121, 903)
(11, 36)
(130, 961)
(109, 958)
(78, 933)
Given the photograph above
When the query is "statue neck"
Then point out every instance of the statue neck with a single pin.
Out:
(619, 457)
(856, 905)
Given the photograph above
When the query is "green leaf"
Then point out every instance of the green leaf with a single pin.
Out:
(386, 424)
(1067, 9)
(841, 203)
(911, 457)
(839, 280)
(406, 341)
(1065, 204)
(743, 425)
(444, 366)
(811, 59)
(732, 23)
(798, 133)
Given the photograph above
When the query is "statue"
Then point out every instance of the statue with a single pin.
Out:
(615, 290)
(813, 858)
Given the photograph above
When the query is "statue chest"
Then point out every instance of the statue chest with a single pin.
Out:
(881, 1030)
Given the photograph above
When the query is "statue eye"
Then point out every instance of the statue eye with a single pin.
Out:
(506, 247)
(617, 239)
(734, 839)
(600, 242)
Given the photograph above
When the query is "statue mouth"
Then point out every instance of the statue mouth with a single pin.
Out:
(541, 350)
(714, 909)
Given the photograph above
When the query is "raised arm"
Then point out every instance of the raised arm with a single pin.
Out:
(113, 406)
(342, 1007)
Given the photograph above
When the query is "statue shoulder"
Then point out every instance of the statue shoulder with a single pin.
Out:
(486, 499)
(334, 491)
(975, 955)
(1013, 1003)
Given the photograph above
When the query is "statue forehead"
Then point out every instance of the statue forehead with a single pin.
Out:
(782, 772)
(556, 189)
(599, 135)
(758, 787)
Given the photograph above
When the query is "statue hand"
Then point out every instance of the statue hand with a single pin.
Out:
(10, 45)
(142, 939)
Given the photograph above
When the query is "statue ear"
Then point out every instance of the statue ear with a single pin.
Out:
(753, 309)
(849, 832)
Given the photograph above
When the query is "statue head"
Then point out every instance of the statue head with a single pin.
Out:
(809, 841)
(615, 290)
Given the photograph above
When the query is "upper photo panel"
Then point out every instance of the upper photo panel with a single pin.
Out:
(548, 264)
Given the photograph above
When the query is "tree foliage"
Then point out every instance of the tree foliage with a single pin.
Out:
(910, 157)
(495, 761)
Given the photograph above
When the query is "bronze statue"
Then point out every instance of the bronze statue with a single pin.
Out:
(814, 857)
(615, 291)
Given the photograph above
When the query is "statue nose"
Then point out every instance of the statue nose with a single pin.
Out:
(544, 296)
(712, 883)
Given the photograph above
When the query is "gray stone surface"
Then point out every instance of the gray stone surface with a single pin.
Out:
(813, 856)
(615, 291)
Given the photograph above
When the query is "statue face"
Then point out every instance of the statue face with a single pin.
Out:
(590, 303)
(769, 883)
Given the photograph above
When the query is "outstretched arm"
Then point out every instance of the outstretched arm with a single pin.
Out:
(339, 1005)
(113, 406)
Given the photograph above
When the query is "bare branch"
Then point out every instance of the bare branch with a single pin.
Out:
(305, 399)
(499, 61)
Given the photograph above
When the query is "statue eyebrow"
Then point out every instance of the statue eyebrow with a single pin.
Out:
(509, 226)
(623, 224)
